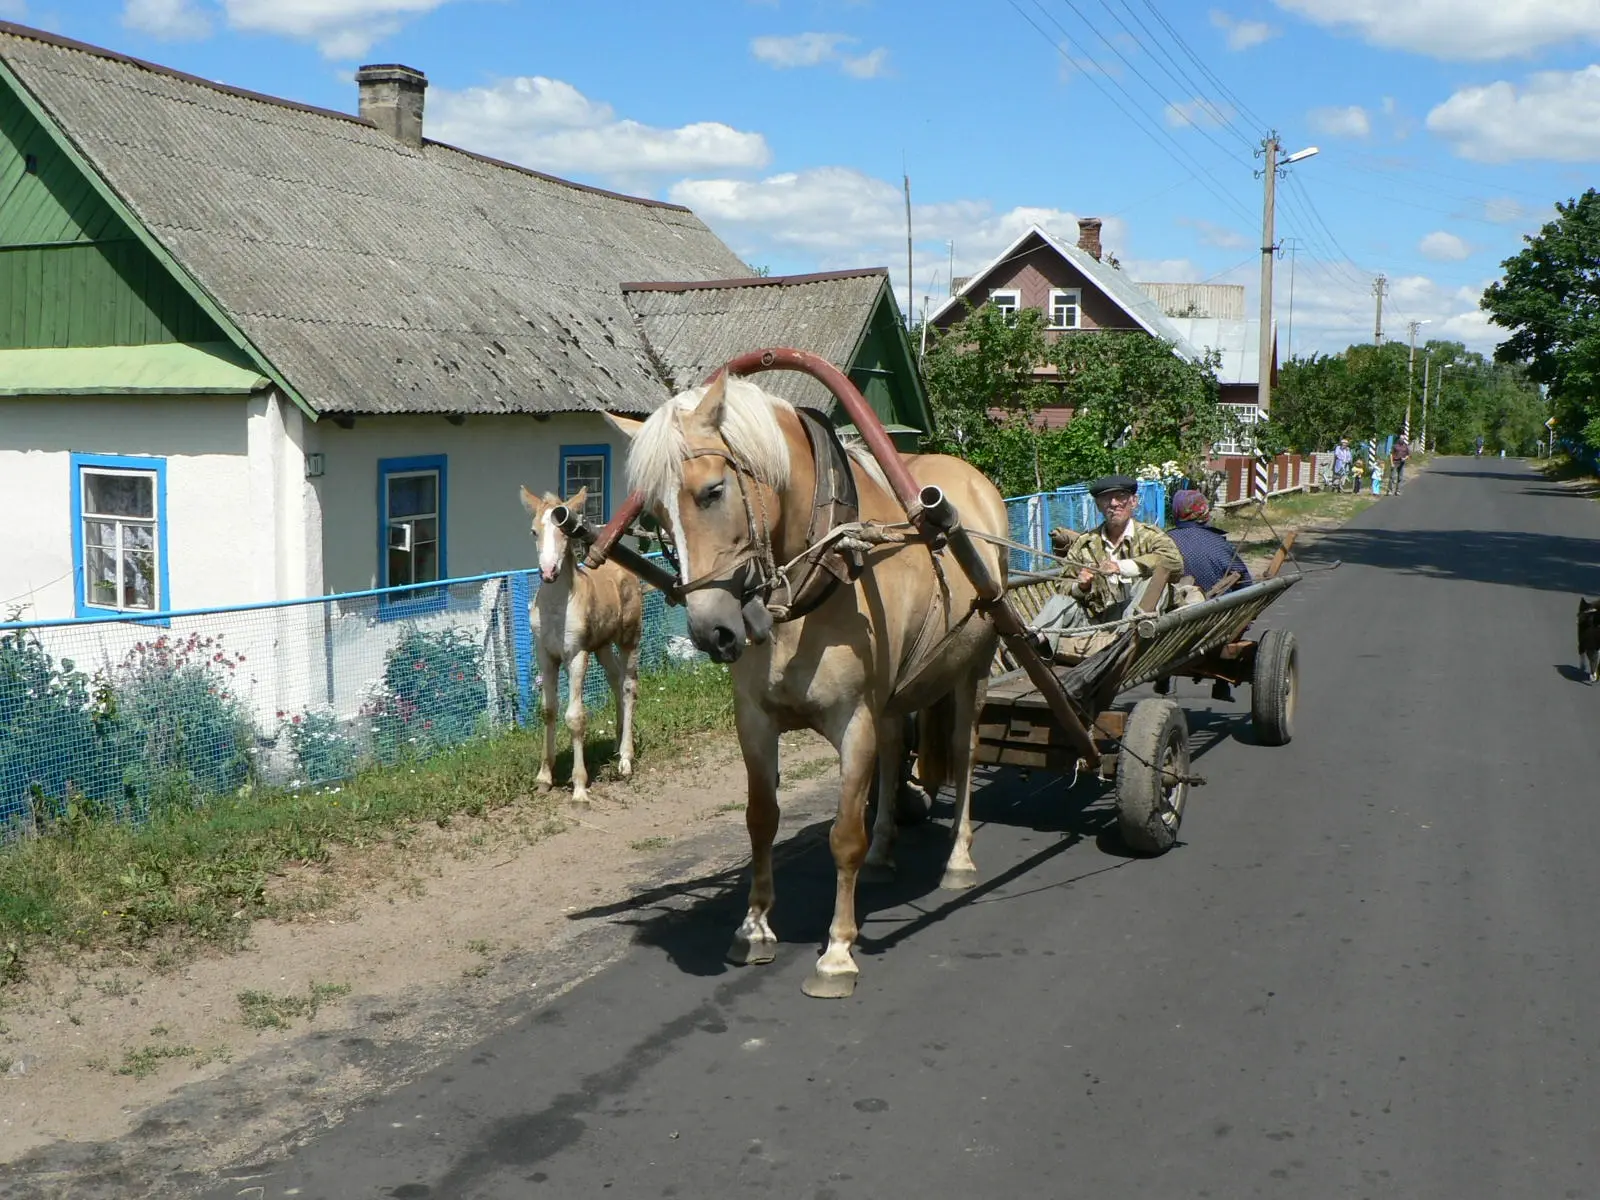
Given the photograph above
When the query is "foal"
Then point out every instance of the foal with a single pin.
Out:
(578, 612)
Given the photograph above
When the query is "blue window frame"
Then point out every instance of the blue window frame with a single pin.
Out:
(413, 497)
(119, 535)
(588, 466)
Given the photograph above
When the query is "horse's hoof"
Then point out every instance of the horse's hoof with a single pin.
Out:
(581, 800)
(625, 769)
(751, 954)
(877, 873)
(959, 879)
(543, 785)
(829, 987)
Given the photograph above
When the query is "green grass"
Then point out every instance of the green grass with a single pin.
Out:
(645, 845)
(200, 876)
(263, 1010)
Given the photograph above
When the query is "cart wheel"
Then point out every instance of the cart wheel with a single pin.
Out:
(1150, 789)
(1274, 688)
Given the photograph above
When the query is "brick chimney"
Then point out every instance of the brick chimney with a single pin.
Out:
(391, 98)
(1089, 235)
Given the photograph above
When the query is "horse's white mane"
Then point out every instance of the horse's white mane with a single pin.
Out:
(749, 429)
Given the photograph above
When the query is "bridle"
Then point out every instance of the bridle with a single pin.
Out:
(754, 552)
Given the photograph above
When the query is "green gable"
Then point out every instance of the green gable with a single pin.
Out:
(72, 274)
(885, 371)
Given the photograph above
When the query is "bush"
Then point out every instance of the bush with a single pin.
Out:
(191, 738)
(433, 695)
(322, 749)
(60, 735)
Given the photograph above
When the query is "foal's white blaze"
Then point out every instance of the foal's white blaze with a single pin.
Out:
(552, 547)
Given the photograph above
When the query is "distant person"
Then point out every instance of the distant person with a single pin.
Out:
(1207, 553)
(1480, 446)
(1397, 461)
(1342, 458)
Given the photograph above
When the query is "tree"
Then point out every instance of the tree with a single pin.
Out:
(1550, 299)
(1133, 401)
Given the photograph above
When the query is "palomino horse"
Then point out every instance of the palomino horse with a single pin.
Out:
(579, 612)
(729, 470)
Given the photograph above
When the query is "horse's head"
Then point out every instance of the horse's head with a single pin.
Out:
(711, 463)
(554, 546)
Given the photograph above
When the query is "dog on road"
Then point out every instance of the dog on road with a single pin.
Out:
(1589, 637)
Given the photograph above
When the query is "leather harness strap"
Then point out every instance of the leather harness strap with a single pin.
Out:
(835, 502)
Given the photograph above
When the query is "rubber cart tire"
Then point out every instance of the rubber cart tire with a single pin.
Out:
(1151, 770)
(1275, 688)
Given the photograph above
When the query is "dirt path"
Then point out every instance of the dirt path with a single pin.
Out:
(135, 1082)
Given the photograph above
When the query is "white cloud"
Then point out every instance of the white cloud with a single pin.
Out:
(1505, 210)
(1441, 246)
(13, 10)
(817, 49)
(797, 50)
(340, 28)
(1217, 235)
(1349, 121)
(1458, 29)
(169, 19)
(835, 217)
(551, 126)
(1199, 112)
(1242, 34)
(1556, 116)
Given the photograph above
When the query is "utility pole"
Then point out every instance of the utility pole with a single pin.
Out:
(1294, 245)
(1427, 365)
(1269, 148)
(1411, 369)
(910, 291)
(1378, 287)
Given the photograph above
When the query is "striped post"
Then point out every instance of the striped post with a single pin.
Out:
(1259, 481)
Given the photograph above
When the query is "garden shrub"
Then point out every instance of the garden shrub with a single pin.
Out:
(433, 694)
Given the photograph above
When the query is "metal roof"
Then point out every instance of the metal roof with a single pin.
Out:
(376, 277)
(1239, 343)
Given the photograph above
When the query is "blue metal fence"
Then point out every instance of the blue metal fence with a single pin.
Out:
(1032, 517)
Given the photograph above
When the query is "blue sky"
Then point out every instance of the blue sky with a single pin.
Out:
(1446, 128)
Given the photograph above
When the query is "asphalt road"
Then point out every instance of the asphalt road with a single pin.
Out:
(1368, 969)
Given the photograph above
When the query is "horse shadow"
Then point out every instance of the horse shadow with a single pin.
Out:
(691, 921)
(1568, 671)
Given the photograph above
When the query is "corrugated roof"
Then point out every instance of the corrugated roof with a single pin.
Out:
(694, 328)
(1225, 300)
(377, 278)
(1239, 343)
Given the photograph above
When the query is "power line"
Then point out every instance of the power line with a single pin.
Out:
(1198, 171)
(1187, 83)
(1171, 104)
(1238, 104)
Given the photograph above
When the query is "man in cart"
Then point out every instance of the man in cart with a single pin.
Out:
(1114, 562)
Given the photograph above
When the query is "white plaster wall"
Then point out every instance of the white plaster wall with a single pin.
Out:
(488, 457)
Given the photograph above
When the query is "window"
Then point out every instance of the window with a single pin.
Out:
(1007, 300)
(1064, 305)
(1248, 415)
(119, 538)
(411, 529)
(590, 467)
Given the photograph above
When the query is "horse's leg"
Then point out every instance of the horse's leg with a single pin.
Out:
(612, 666)
(549, 689)
(624, 685)
(834, 976)
(879, 864)
(754, 942)
(959, 871)
(576, 722)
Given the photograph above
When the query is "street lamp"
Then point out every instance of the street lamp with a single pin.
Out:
(1268, 249)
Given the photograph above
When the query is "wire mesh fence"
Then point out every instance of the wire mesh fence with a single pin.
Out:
(124, 717)
(1033, 517)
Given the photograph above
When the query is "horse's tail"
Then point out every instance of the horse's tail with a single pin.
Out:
(936, 733)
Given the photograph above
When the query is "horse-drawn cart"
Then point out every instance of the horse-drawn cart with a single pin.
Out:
(1145, 749)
